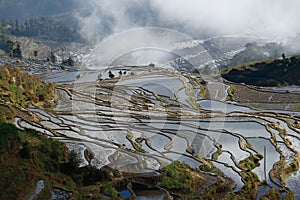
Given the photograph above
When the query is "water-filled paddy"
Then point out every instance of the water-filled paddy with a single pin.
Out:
(139, 121)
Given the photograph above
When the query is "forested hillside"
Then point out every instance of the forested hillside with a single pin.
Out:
(278, 72)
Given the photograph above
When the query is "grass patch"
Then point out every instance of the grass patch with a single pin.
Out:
(23, 89)
(231, 90)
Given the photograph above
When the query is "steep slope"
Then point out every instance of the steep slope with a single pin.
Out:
(23, 89)
(276, 72)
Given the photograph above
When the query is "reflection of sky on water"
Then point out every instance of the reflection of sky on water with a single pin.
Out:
(272, 157)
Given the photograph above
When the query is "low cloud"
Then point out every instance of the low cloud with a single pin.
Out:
(273, 18)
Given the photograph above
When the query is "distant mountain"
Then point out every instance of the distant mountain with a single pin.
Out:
(285, 71)
(24, 9)
(254, 52)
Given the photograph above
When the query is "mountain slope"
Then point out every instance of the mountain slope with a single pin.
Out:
(276, 72)
(33, 8)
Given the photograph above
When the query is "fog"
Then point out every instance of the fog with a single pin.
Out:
(273, 18)
(234, 16)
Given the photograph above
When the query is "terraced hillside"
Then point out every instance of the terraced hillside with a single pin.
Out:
(140, 121)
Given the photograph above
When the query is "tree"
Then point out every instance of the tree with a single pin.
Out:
(73, 164)
(17, 52)
(286, 60)
(35, 53)
(9, 47)
(52, 57)
(8, 136)
(13, 49)
(69, 62)
(251, 45)
(16, 28)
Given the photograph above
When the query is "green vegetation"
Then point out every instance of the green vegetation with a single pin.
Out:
(273, 194)
(292, 167)
(27, 156)
(251, 162)
(8, 135)
(13, 49)
(217, 154)
(178, 178)
(250, 189)
(231, 90)
(185, 182)
(23, 89)
(199, 83)
(276, 72)
(46, 28)
(6, 113)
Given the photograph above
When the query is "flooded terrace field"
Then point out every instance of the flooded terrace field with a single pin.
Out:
(138, 122)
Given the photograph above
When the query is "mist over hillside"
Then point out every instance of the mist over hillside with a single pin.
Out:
(275, 19)
(93, 21)
(100, 18)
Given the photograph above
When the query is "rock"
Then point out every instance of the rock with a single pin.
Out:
(88, 155)
(58, 194)
(12, 80)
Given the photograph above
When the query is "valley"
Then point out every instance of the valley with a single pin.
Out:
(142, 121)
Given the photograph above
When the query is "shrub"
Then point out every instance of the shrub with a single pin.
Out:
(8, 136)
